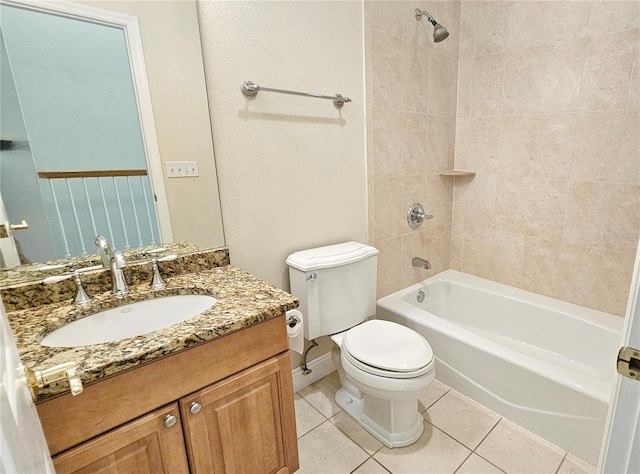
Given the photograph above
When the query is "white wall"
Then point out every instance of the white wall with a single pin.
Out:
(292, 169)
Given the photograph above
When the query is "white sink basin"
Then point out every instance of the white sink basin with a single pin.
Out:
(130, 320)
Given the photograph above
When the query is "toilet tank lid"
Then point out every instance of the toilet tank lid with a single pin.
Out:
(330, 256)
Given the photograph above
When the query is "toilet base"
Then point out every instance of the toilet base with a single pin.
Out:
(404, 414)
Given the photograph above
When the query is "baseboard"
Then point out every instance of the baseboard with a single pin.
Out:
(320, 367)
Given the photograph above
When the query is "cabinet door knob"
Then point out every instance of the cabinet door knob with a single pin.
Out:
(195, 408)
(170, 421)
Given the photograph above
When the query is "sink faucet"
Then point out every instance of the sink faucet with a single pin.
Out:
(116, 262)
(421, 262)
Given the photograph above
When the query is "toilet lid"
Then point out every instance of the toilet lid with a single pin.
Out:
(388, 346)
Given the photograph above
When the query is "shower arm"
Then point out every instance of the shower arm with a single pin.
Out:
(420, 13)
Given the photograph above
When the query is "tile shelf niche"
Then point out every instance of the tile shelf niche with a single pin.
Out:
(457, 173)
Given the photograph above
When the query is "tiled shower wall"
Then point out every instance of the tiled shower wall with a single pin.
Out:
(411, 133)
(546, 111)
(548, 115)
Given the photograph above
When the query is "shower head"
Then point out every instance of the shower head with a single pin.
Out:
(440, 33)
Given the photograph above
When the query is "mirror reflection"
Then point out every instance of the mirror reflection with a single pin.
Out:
(75, 144)
(70, 105)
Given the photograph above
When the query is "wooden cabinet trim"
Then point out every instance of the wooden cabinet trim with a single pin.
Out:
(118, 399)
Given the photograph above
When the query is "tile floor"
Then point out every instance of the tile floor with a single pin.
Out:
(460, 436)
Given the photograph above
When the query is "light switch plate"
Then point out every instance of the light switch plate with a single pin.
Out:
(182, 169)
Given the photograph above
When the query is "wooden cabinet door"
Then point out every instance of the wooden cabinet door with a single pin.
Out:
(144, 445)
(244, 424)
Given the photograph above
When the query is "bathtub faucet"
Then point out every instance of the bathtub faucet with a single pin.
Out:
(421, 262)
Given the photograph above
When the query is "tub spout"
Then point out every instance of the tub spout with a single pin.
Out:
(421, 262)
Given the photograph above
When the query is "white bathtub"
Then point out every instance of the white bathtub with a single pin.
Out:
(544, 364)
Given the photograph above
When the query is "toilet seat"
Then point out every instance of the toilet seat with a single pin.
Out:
(387, 349)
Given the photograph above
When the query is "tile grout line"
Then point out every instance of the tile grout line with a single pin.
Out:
(561, 462)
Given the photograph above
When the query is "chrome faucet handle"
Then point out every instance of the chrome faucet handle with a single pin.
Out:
(118, 280)
(157, 281)
(81, 296)
(416, 215)
(105, 251)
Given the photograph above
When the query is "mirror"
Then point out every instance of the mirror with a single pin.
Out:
(172, 53)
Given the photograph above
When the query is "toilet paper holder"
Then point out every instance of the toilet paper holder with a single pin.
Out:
(293, 320)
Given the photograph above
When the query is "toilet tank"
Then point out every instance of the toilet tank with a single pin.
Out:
(336, 286)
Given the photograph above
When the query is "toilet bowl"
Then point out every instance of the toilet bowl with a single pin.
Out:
(384, 369)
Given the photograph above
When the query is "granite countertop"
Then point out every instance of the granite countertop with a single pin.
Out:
(242, 300)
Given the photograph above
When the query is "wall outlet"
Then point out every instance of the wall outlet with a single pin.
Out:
(182, 169)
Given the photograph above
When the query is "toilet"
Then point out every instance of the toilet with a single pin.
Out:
(384, 367)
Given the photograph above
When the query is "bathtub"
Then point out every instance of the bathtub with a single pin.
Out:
(544, 364)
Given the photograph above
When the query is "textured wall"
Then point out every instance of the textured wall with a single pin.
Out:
(292, 169)
(411, 130)
(549, 117)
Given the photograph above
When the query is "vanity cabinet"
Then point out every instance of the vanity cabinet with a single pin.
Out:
(144, 445)
(241, 422)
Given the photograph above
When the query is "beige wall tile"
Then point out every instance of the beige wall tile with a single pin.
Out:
(415, 138)
(623, 218)
(512, 200)
(507, 254)
(597, 145)
(386, 63)
(387, 142)
(465, 84)
(389, 208)
(413, 245)
(370, 207)
(552, 148)
(479, 201)
(628, 163)
(467, 25)
(578, 275)
(457, 243)
(417, 32)
(546, 23)
(484, 144)
(438, 249)
(516, 145)
(440, 84)
(487, 86)
(546, 206)
(540, 268)
(634, 90)
(588, 204)
(607, 71)
(476, 251)
(614, 281)
(414, 189)
(389, 263)
(606, 17)
(387, 17)
(543, 79)
(441, 134)
(490, 27)
(415, 77)
(439, 200)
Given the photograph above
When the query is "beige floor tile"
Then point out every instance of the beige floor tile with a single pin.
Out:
(321, 394)
(371, 466)
(574, 465)
(476, 465)
(326, 449)
(461, 418)
(435, 390)
(357, 433)
(307, 417)
(513, 449)
(434, 452)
